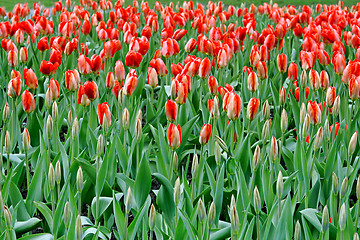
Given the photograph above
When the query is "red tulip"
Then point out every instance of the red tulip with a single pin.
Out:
(339, 63)
(213, 85)
(171, 110)
(222, 58)
(261, 70)
(252, 82)
(119, 71)
(307, 91)
(233, 106)
(264, 53)
(330, 96)
(96, 63)
(159, 66)
(14, 87)
(13, 58)
(111, 47)
(82, 97)
(190, 45)
(55, 56)
(205, 134)
(169, 47)
(354, 88)
(176, 69)
(72, 80)
(324, 80)
(23, 55)
(254, 56)
(181, 91)
(86, 27)
(133, 59)
(282, 96)
(293, 72)
(307, 60)
(110, 80)
(282, 62)
(84, 64)
(252, 109)
(28, 101)
(152, 77)
(131, 83)
(104, 109)
(314, 79)
(314, 112)
(54, 89)
(174, 136)
(43, 44)
(30, 78)
(323, 57)
(205, 68)
(48, 68)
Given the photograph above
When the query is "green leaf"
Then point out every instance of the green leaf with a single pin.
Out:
(104, 203)
(134, 226)
(40, 236)
(165, 198)
(26, 226)
(142, 182)
(46, 212)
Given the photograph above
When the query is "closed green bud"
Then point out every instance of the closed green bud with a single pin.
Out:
(75, 128)
(67, 214)
(356, 236)
(325, 219)
(7, 142)
(352, 144)
(100, 145)
(257, 200)
(128, 201)
(358, 188)
(318, 138)
(26, 140)
(194, 166)
(327, 130)
(221, 142)
(234, 218)
(284, 121)
(265, 130)
(78, 228)
(335, 183)
(306, 126)
(57, 172)
(256, 158)
(342, 217)
(297, 231)
(215, 108)
(201, 210)
(266, 110)
(8, 218)
(343, 188)
(336, 106)
(303, 79)
(175, 160)
(121, 97)
(55, 110)
(152, 215)
(217, 153)
(51, 176)
(70, 118)
(177, 192)
(49, 126)
(302, 113)
(211, 214)
(138, 130)
(79, 180)
(6, 112)
(125, 118)
(280, 185)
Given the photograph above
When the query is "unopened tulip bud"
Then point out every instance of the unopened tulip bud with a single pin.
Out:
(273, 149)
(358, 189)
(211, 214)
(217, 151)
(126, 119)
(280, 185)
(215, 108)
(67, 214)
(26, 140)
(325, 219)
(51, 176)
(7, 142)
(55, 110)
(221, 142)
(48, 98)
(266, 110)
(342, 217)
(138, 130)
(175, 160)
(194, 166)
(232, 200)
(303, 79)
(335, 183)
(257, 200)
(297, 231)
(70, 118)
(139, 115)
(302, 113)
(177, 192)
(306, 126)
(173, 90)
(152, 215)
(352, 144)
(8, 218)
(265, 130)
(336, 106)
(6, 112)
(121, 97)
(79, 180)
(100, 147)
(128, 201)
(58, 172)
(343, 188)
(75, 128)
(282, 96)
(256, 158)
(327, 130)
(284, 121)
(201, 210)
(318, 138)
(49, 126)
(356, 236)
(78, 228)
(234, 218)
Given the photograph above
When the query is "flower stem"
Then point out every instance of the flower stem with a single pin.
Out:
(27, 170)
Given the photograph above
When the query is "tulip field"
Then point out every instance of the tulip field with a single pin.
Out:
(179, 121)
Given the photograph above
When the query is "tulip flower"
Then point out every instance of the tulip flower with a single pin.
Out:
(13, 58)
(330, 96)
(54, 88)
(30, 78)
(119, 71)
(281, 62)
(171, 110)
(213, 85)
(23, 55)
(205, 68)
(28, 101)
(252, 108)
(14, 87)
(84, 64)
(152, 77)
(314, 112)
(354, 88)
(131, 83)
(307, 60)
(293, 72)
(274, 151)
(43, 44)
(133, 59)
(48, 68)
(111, 47)
(314, 79)
(174, 136)
(159, 65)
(261, 70)
(190, 45)
(234, 107)
(282, 96)
(324, 80)
(82, 97)
(222, 59)
(254, 56)
(339, 63)
(91, 90)
(205, 134)
(252, 82)
(104, 111)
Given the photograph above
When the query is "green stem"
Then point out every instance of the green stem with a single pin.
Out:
(8, 164)
(97, 195)
(27, 170)
(79, 202)
(171, 164)
(151, 235)
(279, 207)
(357, 215)
(258, 226)
(126, 226)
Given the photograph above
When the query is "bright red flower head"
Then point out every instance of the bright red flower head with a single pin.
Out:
(205, 134)
(159, 66)
(205, 68)
(48, 68)
(91, 90)
(233, 106)
(28, 101)
(119, 71)
(133, 59)
(54, 88)
(252, 109)
(213, 85)
(103, 110)
(131, 82)
(314, 112)
(282, 62)
(174, 136)
(84, 64)
(43, 44)
(30, 78)
(14, 87)
(171, 110)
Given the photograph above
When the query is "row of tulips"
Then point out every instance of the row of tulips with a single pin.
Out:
(180, 121)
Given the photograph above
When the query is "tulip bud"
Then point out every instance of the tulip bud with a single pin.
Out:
(55, 110)
(256, 158)
(6, 112)
(70, 117)
(217, 151)
(342, 217)
(67, 214)
(126, 118)
(128, 201)
(51, 176)
(343, 188)
(335, 183)
(100, 147)
(26, 140)
(48, 98)
(205, 134)
(306, 126)
(177, 192)
(194, 166)
(201, 210)
(257, 200)
(336, 106)
(175, 160)
(303, 79)
(356, 236)
(211, 214)
(121, 97)
(79, 180)
(138, 130)
(284, 121)
(266, 110)
(352, 144)
(327, 130)
(221, 142)
(280, 185)
(325, 219)
(75, 128)
(234, 218)
(78, 228)
(49, 126)
(302, 113)
(273, 149)
(282, 96)
(330, 96)
(152, 215)
(297, 231)
(358, 189)
(215, 108)
(139, 115)
(8, 218)
(7, 142)
(57, 172)
(265, 130)
(318, 139)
